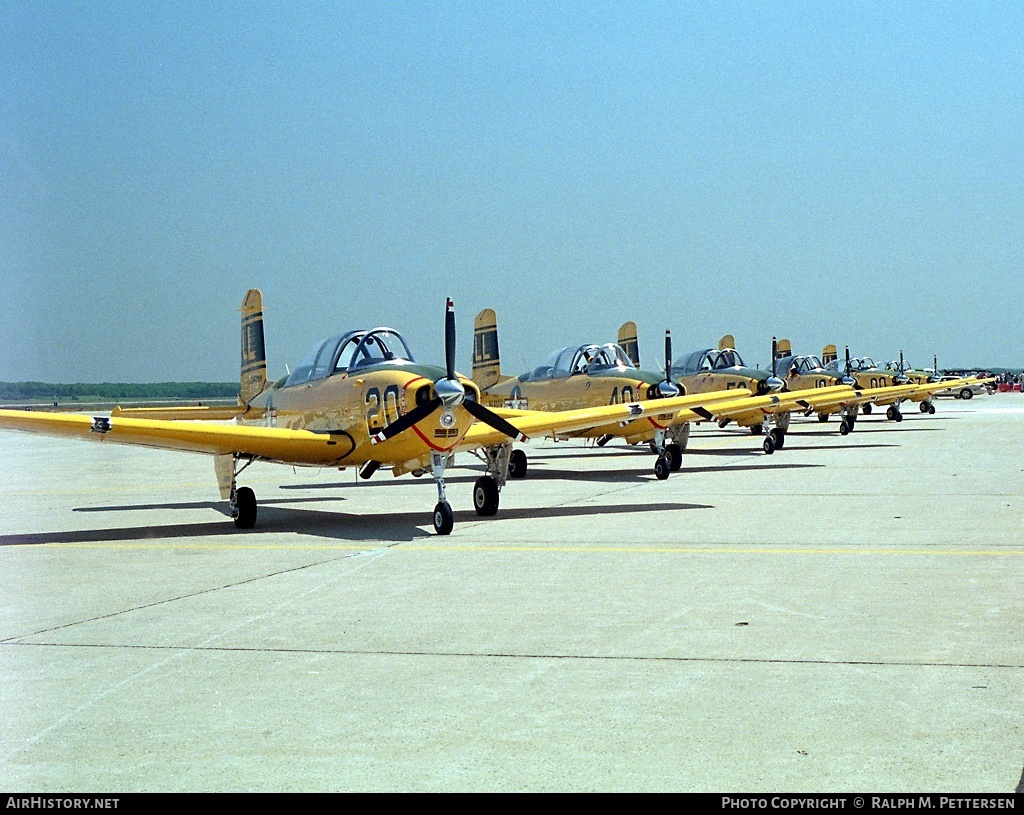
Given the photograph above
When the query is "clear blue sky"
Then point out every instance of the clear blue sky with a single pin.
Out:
(831, 172)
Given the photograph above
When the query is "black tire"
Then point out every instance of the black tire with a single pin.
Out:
(444, 518)
(966, 393)
(756, 430)
(890, 413)
(769, 445)
(822, 417)
(867, 409)
(923, 407)
(517, 464)
(485, 496)
(662, 467)
(899, 416)
(778, 436)
(245, 508)
(844, 427)
(931, 410)
(675, 457)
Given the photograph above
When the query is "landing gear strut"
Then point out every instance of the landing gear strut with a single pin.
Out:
(444, 518)
(242, 500)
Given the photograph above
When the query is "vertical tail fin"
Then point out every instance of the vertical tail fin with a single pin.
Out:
(628, 341)
(829, 354)
(486, 360)
(784, 349)
(727, 343)
(254, 354)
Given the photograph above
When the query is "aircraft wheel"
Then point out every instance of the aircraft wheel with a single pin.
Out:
(966, 393)
(675, 457)
(662, 467)
(778, 436)
(769, 445)
(866, 409)
(444, 518)
(931, 409)
(245, 508)
(722, 423)
(485, 496)
(822, 417)
(890, 413)
(756, 430)
(898, 416)
(844, 427)
(517, 464)
(923, 407)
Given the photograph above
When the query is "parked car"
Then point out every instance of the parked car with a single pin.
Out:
(962, 391)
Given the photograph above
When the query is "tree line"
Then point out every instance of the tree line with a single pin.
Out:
(77, 391)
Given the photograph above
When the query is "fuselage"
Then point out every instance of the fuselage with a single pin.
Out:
(580, 377)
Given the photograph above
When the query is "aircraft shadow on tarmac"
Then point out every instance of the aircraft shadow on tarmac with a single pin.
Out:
(385, 527)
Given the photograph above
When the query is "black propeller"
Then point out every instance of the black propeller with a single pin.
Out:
(668, 388)
(450, 394)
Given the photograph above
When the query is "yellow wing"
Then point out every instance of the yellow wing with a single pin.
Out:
(199, 412)
(273, 443)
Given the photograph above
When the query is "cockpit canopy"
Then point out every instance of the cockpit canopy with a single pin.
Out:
(351, 351)
(581, 359)
(894, 365)
(709, 359)
(798, 365)
(856, 364)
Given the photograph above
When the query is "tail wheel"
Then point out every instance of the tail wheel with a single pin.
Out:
(517, 464)
(245, 508)
(675, 457)
(485, 496)
(444, 518)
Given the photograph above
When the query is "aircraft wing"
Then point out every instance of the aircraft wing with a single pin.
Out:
(197, 412)
(858, 396)
(671, 411)
(273, 443)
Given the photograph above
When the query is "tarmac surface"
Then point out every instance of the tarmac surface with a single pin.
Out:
(843, 615)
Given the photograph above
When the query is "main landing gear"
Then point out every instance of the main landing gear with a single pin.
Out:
(242, 500)
(893, 414)
(927, 407)
(670, 452)
(867, 408)
(774, 437)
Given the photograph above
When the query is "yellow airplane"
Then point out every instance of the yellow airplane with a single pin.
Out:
(869, 375)
(808, 371)
(592, 375)
(707, 370)
(358, 399)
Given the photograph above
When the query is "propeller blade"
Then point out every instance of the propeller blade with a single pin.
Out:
(492, 419)
(668, 355)
(449, 339)
(848, 366)
(417, 414)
